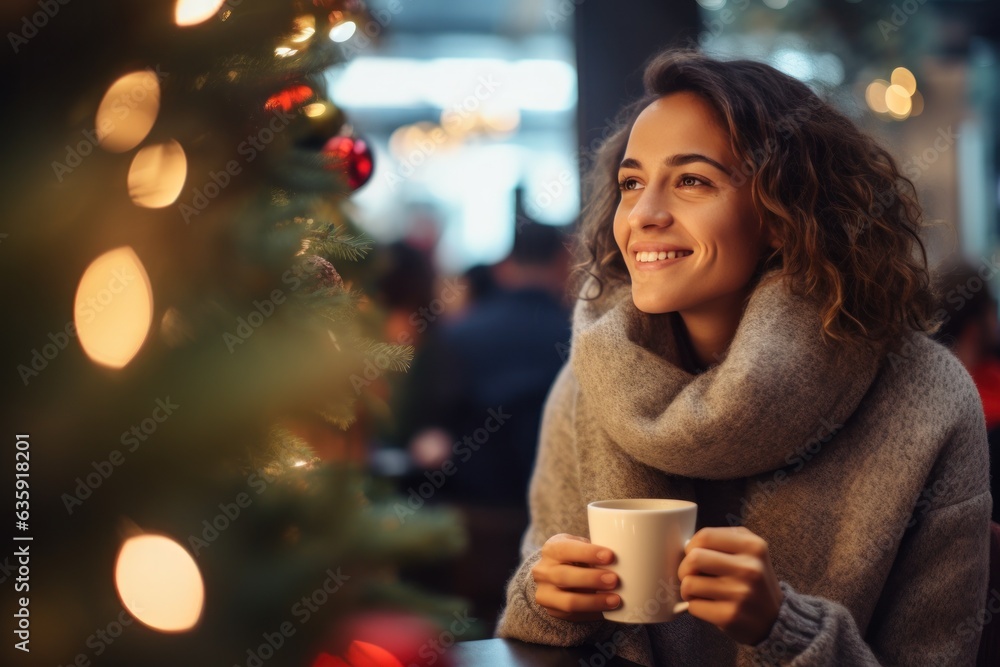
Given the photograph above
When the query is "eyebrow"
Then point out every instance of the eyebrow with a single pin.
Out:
(677, 161)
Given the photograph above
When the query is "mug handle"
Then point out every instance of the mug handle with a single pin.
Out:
(682, 607)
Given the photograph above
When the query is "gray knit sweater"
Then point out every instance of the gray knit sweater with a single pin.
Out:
(868, 478)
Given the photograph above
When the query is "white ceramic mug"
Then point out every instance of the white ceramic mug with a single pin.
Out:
(647, 536)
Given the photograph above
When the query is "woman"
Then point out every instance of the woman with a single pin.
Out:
(752, 337)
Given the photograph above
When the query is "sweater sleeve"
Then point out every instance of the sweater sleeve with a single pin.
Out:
(929, 609)
(555, 505)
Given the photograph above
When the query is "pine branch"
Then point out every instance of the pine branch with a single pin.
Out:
(285, 448)
(340, 415)
(334, 305)
(337, 244)
(388, 356)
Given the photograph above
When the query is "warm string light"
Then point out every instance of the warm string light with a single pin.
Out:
(897, 98)
(159, 583)
(342, 28)
(314, 110)
(898, 101)
(114, 307)
(193, 12)
(904, 77)
(157, 175)
(304, 27)
(127, 111)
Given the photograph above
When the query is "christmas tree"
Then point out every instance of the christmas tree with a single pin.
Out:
(186, 337)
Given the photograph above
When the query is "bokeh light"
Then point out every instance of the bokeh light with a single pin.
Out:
(343, 31)
(157, 175)
(875, 96)
(193, 12)
(304, 28)
(159, 583)
(289, 98)
(904, 77)
(407, 140)
(113, 307)
(501, 120)
(314, 110)
(127, 111)
(367, 654)
(359, 654)
(897, 100)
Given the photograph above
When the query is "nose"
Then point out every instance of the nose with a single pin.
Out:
(651, 210)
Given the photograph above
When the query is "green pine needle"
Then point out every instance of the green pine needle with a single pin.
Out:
(388, 356)
(334, 243)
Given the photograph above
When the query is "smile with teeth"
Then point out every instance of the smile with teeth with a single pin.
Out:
(651, 256)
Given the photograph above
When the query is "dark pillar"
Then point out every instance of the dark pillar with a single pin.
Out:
(613, 42)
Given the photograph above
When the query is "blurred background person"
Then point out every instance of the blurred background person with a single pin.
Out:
(483, 378)
(969, 313)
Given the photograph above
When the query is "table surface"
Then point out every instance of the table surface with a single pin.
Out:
(512, 653)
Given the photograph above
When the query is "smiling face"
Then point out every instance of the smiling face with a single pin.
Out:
(690, 238)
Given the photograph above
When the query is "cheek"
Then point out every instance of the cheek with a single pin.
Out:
(736, 265)
(734, 237)
(621, 229)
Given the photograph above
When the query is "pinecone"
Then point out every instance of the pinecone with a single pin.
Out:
(317, 273)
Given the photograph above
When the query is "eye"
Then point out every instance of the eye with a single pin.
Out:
(689, 181)
(628, 183)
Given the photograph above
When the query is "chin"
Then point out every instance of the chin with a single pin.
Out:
(654, 304)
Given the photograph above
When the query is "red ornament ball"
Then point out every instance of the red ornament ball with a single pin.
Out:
(352, 157)
(390, 639)
(359, 654)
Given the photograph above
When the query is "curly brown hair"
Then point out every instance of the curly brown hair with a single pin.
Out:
(847, 220)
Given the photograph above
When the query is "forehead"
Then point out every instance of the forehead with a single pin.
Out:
(679, 123)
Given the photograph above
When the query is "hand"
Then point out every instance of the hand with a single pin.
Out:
(727, 577)
(568, 583)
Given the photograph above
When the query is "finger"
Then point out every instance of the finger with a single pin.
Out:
(719, 613)
(570, 549)
(551, 597)
(728, 539)
(578, 539)
(743, 567)
(709, 561)
(695, 587)
(571, 576)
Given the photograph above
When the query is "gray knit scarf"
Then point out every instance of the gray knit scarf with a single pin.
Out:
(743, 416)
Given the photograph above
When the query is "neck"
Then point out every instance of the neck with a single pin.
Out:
(712, 326)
